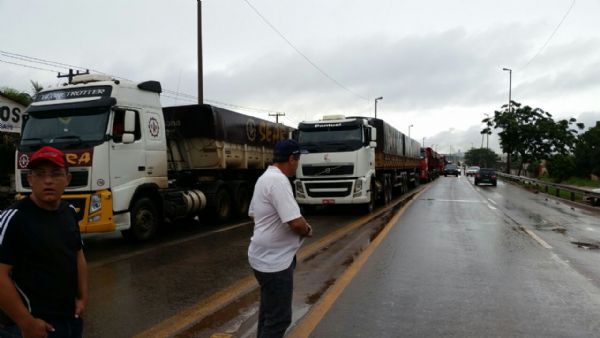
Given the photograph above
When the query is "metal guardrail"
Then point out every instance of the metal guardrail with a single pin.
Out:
(586, 195)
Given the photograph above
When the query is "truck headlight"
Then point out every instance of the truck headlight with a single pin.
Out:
(95, 203)
(357, 186)
(299, 187)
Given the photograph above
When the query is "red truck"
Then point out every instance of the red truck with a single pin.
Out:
(431, 165)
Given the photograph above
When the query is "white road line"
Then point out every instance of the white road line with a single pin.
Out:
(489, 206)
(537, 238)
(492, 201)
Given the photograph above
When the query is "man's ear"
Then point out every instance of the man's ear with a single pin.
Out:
(69, 176)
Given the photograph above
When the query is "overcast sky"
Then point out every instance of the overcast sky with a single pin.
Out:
(437, 64)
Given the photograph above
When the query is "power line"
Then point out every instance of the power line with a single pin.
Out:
(171, 94)
(551, 35)
(27, 66)
(302, 54)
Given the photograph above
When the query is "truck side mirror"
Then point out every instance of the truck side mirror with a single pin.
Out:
(372, 144)
(373, 134)
(129, 126)
(128, 138)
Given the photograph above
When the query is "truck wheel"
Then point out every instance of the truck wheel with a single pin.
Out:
(222, 205)
(241, 200)
(387, 191)
(368, 208)
(144, 221)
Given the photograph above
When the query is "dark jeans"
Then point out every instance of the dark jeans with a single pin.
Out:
(63, 328)
(275, 314)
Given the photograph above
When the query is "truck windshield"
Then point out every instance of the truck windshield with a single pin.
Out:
(70, 127)
(330, 139)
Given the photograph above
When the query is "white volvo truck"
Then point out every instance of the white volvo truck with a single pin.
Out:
(354, 160)
(135, 164)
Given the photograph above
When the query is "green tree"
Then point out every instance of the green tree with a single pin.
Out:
(482, 157)
(561, 166)
(587, 152)
(17, 96)
(532, 133)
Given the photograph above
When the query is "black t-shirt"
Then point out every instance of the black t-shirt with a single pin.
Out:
(42, 248)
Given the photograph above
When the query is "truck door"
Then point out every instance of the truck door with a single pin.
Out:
(156, 145)
(127, 160)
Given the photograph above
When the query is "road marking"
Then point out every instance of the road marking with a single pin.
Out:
(318, 311)
(492, 201)
(186, 318)
(490, 206)
(537, 238)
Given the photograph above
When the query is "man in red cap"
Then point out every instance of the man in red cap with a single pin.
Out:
(43, 272)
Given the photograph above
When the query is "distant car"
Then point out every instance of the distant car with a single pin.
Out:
(451, 169)
(486, 175)
(471, 171)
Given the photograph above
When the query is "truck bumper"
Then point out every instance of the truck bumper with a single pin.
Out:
(331, 192)
(94, 211)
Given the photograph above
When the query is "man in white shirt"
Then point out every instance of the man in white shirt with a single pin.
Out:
(279, 230)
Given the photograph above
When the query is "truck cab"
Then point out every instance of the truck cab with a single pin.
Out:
(113, 135)
(340, 163)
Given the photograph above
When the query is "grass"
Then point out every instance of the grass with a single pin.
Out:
(576, 181)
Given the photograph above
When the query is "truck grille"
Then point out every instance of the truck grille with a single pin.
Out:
(78, 179)
(327, 170)
(335, 189)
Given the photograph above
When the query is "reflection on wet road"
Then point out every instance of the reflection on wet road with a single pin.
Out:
(459, 263)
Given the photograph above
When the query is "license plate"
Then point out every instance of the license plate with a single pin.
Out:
(328, 201)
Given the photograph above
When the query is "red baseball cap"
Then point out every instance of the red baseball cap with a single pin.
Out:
(50, 154)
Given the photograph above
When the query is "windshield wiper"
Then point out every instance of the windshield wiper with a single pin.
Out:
(345, 145)
(69, 137)
(39, 140)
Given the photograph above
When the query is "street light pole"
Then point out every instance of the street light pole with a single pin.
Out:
(509, 111)
(509, 86)
(377, 99)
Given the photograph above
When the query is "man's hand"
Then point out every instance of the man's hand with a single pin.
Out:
(309, 233)
(79, 307)
(36, 328)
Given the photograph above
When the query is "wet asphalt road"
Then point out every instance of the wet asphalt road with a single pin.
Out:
(134, 287)
(459, 263)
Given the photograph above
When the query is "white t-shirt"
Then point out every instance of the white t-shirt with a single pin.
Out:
(273, 244)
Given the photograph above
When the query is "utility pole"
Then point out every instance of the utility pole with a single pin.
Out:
(277, 116)
(200, 70)
(71, 74)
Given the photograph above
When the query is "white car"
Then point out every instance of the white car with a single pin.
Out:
(472, 171)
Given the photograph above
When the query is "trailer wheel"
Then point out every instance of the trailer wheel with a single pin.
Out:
(387, 191)
(222, 205)
(241, 200)
(144, 221)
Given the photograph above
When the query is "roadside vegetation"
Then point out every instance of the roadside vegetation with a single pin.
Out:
(531, 136)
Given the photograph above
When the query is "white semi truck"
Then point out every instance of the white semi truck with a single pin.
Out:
(135, 164)
(354, 160)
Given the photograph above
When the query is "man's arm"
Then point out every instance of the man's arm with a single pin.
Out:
(13, 307)
(82, 285)
(301, 227)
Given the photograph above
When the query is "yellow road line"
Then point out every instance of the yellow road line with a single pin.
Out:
(205, 307)
(310, 321)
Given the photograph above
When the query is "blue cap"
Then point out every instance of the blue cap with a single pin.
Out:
(285, 148)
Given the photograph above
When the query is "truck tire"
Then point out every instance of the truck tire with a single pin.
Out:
(368, 208)
(241, 200)
(222, 205)
(144, 221)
